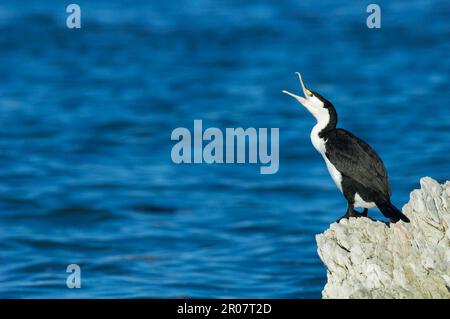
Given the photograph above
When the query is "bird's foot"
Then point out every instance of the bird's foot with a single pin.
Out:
(354, 214)
(365, 213)
(345, 216)
(357, 215)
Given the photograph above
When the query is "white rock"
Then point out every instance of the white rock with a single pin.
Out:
(367, 259)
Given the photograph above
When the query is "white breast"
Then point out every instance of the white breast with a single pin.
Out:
(319, 145)
(317, 141)
(335, 174)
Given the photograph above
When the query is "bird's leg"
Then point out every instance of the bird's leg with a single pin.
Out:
(365, 213)
(352, 213)
(349, 213)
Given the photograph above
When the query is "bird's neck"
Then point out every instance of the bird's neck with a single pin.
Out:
(326, 122)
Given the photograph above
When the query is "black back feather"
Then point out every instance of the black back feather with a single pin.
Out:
(356, 159)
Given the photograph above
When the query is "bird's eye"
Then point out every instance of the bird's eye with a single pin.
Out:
(311, 95)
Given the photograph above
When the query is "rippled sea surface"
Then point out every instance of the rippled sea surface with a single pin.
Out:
(86, 117)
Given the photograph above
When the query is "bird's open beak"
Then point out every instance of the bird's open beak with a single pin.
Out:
(306, 92)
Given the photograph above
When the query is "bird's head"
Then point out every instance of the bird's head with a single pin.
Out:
(317, 105)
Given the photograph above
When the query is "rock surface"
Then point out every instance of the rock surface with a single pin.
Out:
(368, 259)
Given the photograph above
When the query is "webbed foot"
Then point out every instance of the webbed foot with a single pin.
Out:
(353, 213)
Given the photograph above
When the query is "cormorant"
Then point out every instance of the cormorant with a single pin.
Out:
(355, 167)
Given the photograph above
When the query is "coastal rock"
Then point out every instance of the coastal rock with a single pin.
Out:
(368, 259)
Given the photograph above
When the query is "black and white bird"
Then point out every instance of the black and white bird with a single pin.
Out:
(355, 167)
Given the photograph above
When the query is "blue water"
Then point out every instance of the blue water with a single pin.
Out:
(86, 117)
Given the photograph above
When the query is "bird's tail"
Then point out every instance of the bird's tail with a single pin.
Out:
(392, 212)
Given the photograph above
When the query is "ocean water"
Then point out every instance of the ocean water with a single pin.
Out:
(86, 116)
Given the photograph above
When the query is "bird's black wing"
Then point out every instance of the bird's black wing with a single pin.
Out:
(356, 159)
